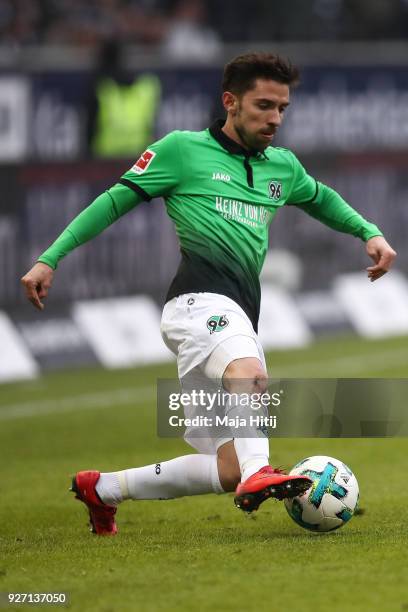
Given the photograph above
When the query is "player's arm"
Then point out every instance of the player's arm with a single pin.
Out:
(104, 210)
(327, 206)
(156, 173)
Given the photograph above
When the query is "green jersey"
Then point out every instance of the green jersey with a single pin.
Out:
(221, 198)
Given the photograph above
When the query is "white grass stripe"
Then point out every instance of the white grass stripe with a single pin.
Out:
(85, 401)
(350, 365)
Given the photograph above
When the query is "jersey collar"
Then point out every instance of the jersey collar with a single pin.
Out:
(228, 144)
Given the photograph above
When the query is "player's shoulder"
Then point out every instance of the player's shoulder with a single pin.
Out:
(182, 138)
(189, 136)
(280, 153)
(283, 157)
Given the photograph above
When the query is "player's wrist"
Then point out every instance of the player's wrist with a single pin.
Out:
(371, 232)
(48, 262)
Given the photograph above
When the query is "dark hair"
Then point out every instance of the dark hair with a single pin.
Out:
(241, 73)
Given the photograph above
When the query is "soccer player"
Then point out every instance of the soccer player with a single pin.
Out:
(222, 187)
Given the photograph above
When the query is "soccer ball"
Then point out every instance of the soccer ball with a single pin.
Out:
(331, 500)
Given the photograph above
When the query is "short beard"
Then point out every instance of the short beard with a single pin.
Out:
(242, 136)
(246, 143)
(244, 140)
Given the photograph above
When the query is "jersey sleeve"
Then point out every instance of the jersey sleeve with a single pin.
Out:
(304, 187)
(158, 170)
(329, 208)
(107, 208)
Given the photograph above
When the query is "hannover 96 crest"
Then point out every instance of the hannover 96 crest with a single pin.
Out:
(275, 190)
(217, 323)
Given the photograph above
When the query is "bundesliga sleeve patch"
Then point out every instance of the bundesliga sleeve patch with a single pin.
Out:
(143, 162)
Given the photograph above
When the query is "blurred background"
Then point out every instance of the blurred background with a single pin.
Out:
(85, 86)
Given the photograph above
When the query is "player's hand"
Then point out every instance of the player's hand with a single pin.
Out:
(37, 282)
(383, 256)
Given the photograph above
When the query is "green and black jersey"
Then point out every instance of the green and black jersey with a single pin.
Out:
(221, 199)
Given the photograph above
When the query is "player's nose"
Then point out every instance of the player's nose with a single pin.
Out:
(275, 118)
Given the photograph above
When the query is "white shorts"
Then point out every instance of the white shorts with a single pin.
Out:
(206, 332)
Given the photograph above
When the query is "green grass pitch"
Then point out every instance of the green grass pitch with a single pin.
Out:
(193, 553)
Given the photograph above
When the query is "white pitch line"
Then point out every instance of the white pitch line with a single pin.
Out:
(135, 395)
(385, 360)
(85, 401)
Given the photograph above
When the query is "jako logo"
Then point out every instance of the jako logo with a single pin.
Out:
(220, 176)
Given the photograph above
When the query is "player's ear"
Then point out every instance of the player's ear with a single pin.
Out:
(229, 101)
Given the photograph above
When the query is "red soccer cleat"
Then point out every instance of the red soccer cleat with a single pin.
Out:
(269, 482)
(101, 516)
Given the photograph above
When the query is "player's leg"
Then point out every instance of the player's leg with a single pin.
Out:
(247, 376)
(228, 467)
(190, 474)
(230, 357)
(238, 363)
(103, 492)
(187, 475)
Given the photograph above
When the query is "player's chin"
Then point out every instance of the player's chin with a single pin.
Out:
(264, 140)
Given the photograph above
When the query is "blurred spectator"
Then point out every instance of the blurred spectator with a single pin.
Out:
(375, 20)
(196, 28)
(144, 21)
(188, 35)
(121, 110)
(20, 22)
(314, 20)
(296, 20)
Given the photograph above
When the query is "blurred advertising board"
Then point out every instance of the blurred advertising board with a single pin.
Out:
(15, 111)
(139, 253)
(349, 109)
(338, 109)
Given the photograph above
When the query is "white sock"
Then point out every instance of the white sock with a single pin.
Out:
(187, 475)
(253, 451)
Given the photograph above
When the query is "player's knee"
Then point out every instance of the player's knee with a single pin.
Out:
(245, 376)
